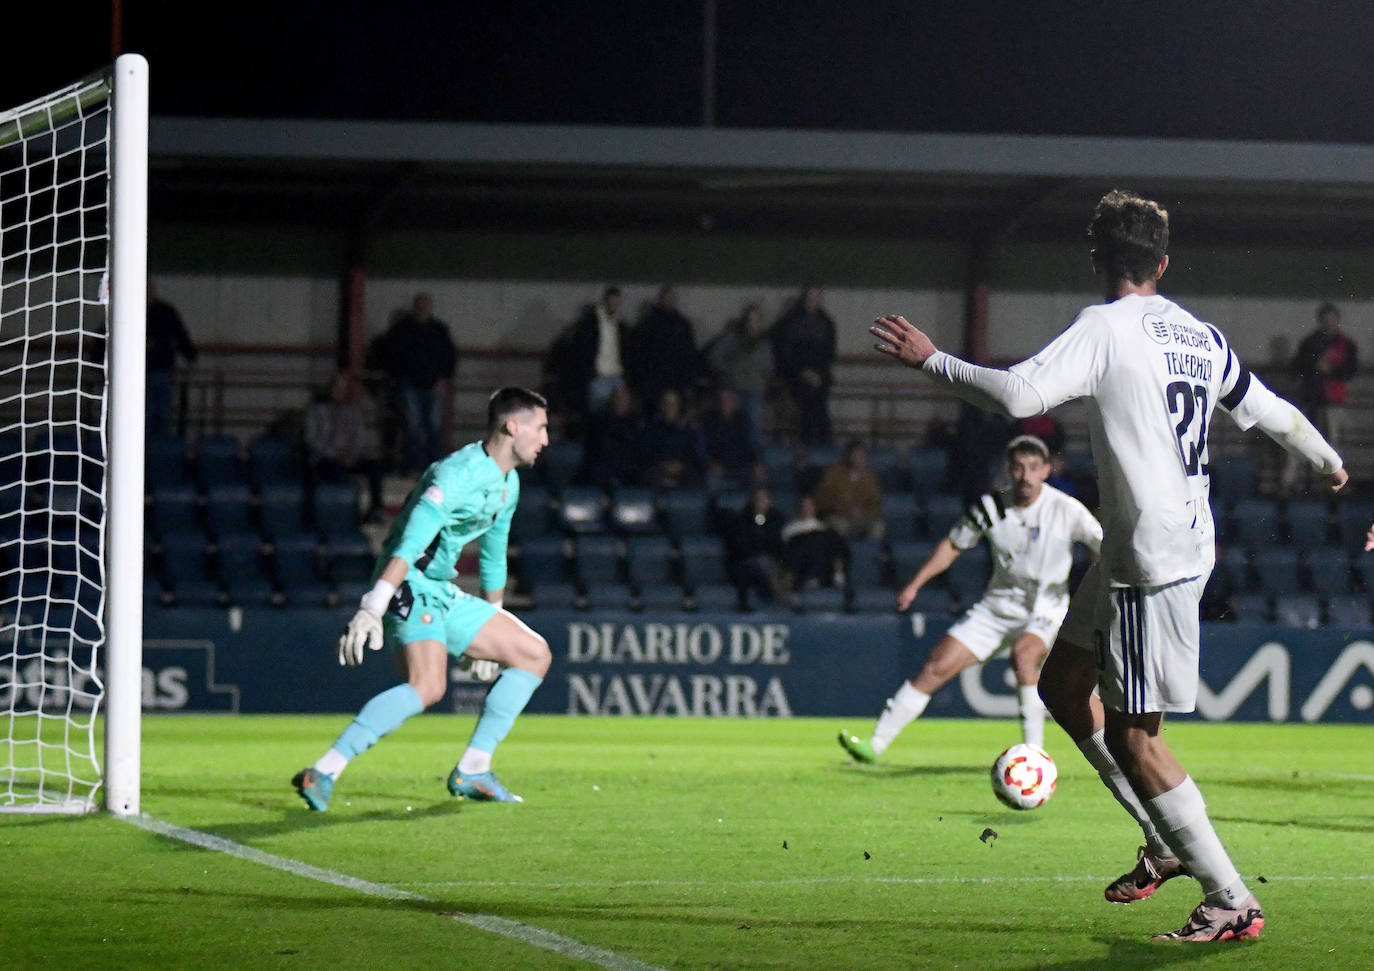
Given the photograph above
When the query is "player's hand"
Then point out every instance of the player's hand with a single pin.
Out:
(479, 669)
(899, 338)
(906, 595)
(1336, 479)
(1369, 540)
(364, 630)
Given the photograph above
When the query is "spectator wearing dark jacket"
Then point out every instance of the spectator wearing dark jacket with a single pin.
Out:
(661, 351)
(804, 353)
(421, 359)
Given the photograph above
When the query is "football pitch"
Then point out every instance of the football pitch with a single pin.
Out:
(677, 843)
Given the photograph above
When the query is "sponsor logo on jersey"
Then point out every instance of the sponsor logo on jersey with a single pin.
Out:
(1156, 329)
(426, 618)
(435, 495)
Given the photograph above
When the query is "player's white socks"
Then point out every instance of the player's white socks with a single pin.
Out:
(1032, 711)
(1181, 817)
(474, 762)
(332, 763)
(1094, 749)
(902, 709)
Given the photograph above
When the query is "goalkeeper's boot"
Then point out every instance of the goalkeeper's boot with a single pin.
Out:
(315, 788)
(1150, 873)
(1210, 923)
(860, 750)
(482, 786)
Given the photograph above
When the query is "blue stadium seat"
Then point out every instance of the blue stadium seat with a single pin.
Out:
(780, 466)
(1328, 570)
(822, 600)
(543, 560)
(1300, 610)
(867, 565)
(188, 570)
(272, 459)
(348, 558)
(941, 513)
(651, 560)
(166, 462)
(282, 509)
(1349, 610)
(581, 509)
(686, 512)
(1255, 520)
(1276, 569)
(1308, 522)
(240, 560)
(874, 600)
(1234, 567)
(597, 560)
(560, 463)
(556, 595)
(633, 510)
(297, 567)
(927, 470)
(175, 508)
(908, 556)
(887, 466)
(217, 459)
(703, 561)
(937, 603)
(1353, 521)
(610, 596)
(334, 508)
(727, 505)
(714, 597)
(1251, 607)
(659, 596)
(1233, 477)
(230, 508)
(532, 511)
(902, 516)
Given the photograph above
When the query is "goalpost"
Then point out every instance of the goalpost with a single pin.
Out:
(73, 298)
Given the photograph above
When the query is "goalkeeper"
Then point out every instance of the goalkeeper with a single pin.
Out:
(415, 608)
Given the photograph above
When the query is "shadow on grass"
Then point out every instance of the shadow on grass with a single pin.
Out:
(1142, 953)
(1344, 825)
(883, 773)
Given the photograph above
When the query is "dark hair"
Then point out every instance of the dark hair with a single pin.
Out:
(610, 291)
(1028, 445)
(1328, 308)
(1130, 236)
(505, 402)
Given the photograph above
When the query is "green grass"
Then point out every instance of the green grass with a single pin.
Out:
(663, 841)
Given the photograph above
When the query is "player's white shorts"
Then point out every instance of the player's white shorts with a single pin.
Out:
(985, 631)
(1145, 640)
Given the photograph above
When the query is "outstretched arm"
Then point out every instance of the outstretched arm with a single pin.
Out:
(945, 554)
(1288, 426)
(991, 389)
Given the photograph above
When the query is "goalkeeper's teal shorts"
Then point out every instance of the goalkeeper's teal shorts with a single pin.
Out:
(434, 610)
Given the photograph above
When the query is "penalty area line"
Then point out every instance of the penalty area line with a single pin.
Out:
(524, 933)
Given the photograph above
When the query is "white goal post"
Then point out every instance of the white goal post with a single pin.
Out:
(73, 300)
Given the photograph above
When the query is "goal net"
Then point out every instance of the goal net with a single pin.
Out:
(57, 496)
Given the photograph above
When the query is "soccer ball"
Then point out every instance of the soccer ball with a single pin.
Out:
(1024, 777)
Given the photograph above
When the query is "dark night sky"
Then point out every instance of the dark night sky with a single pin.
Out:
(1221, 69)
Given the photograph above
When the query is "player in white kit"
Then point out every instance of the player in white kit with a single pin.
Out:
(1150, 375)
(1031, 529)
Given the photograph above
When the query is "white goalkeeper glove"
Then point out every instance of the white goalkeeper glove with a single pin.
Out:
(365, 629)
(480, 670)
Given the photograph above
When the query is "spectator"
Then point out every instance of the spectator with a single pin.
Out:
(661, 351)
(421, 360)
(590, 362)
(731, 458)
(753, 543)
(614, 442)
(166, 340)
(1324, 362)
(1044, 427)
(803, 353)
(337, 442)
(813, 554)
(672, 445)
(849, 498)
(741, 356)
(980, 441)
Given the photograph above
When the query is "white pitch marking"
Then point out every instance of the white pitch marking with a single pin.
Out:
(524, 933)
(808, 881)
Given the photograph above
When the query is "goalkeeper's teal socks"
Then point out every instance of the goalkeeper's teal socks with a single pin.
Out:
(506, 699)
(382, 715)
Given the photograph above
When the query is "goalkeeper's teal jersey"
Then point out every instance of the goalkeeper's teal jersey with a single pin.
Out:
(458, 499)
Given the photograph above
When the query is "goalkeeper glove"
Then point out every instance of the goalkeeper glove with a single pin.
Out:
(479, 669)
(365, 629)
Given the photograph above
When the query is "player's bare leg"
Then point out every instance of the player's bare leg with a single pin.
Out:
(1068, 684)
(1027, 655)
(1228, 909)
(946, 661)
(524, 657)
